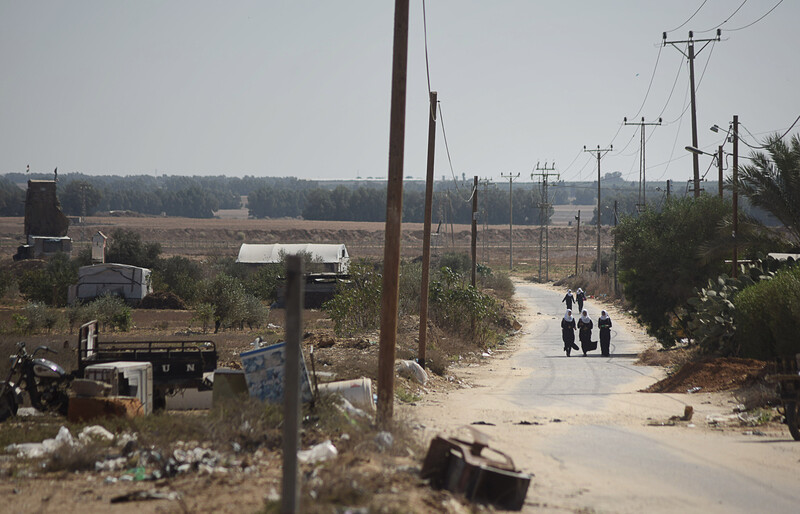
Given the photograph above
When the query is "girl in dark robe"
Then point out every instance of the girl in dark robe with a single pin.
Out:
(569, 299)
(568, 332)
(604, 324)
(585, 326)
(580, 297)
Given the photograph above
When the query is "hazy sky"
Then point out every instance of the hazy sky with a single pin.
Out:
(299, 88)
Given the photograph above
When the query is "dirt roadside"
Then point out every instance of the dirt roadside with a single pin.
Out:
(716, 434)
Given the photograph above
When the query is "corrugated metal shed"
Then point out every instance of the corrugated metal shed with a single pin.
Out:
(333, 256)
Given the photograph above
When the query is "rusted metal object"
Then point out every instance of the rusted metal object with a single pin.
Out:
(459, 467)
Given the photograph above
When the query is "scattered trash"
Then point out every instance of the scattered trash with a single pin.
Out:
(264, 373)
(688, 411)
(459, 467)
(358, 392)
(152, 494)
(318, 453)
(694, 389)
(555, 420)
(95, 433)
(385, 440)
(45, 448)
(523, 422)
(411, 369)
(482, 423)
(349, 409)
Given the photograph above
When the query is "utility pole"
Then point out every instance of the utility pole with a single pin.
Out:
(642, 168)
(485, 183)
(510, 178)
(600, 153)
(474, 245)
(668, 184)
(616, 293)
(544, 212)
(426, 238)
(394, 216)
(691, 55)
(735, 271)
(719, 164)
(577, 241)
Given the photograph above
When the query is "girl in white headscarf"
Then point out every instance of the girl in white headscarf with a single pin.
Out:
(585, 326)
(568, 332)
(604, 324)
(569, 299)
(580, 297)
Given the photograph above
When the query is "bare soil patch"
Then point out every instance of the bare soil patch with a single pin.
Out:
(711, 375)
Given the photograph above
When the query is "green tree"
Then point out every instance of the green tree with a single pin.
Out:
(660, 260)
(79, 197)
(50, 284)
(126, 247)
(772, 182)
(179, 275)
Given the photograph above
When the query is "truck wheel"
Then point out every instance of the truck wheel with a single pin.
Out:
(793, 420)
(8, 405)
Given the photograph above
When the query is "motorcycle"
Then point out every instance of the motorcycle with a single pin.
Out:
(45, 382)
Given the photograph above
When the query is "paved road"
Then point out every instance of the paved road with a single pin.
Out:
(587, 436)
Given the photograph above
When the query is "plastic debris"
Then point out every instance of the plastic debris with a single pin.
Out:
(384, 440)
(46, 447)
(411, 369)
(318, 453)
(152, 494)
(95, 433)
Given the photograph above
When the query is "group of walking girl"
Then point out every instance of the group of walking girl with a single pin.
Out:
(584, 325)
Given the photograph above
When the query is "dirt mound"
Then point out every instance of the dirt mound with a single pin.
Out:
(711, 375)
(162, 300)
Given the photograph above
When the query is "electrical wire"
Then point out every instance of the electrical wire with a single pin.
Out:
(573, 162)
(724, 22)
(425, 33)
(449, 160)
(761, 18)
(674, 83)
(690, 17)
(650, 85)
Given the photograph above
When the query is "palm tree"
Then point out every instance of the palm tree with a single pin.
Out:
(773, 182)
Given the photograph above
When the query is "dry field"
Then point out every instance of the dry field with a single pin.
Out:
(223, 236)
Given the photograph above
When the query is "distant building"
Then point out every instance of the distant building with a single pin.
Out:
(330, 258)
(129, 282)
(45, 225)
(99, 248)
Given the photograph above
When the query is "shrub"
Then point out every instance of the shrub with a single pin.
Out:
(227, 295)
(126, 247)
(111, 311)
(39, 316)
(356, 307)
(264, 282)
(768, 316)
(178, 275)
(255, 312)
(454, 304)
(162, 300)
(204, 314)
(49, 285)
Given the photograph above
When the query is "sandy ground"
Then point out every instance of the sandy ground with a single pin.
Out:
(622, 454)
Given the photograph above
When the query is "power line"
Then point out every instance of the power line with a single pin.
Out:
(690, 17)
(425, 33)
(650, 85)
(761, 18)
(724, 22)
(447, 150)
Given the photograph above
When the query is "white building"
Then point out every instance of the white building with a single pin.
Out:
(129, 282)
(332, 258)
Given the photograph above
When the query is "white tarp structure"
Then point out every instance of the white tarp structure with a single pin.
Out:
(129, 282)
(333, 257)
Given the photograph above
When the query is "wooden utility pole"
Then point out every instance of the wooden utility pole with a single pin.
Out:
(510, 178)
(719, 164)
(735, 270)
(544, 214)
(485, 217)
(691, 55)
(600, 153)
(426, 237)
(668, 191)
(642, 204)
(394, 215)
(577, 241)
(616, 293)
(474, 246)
(290, 492)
